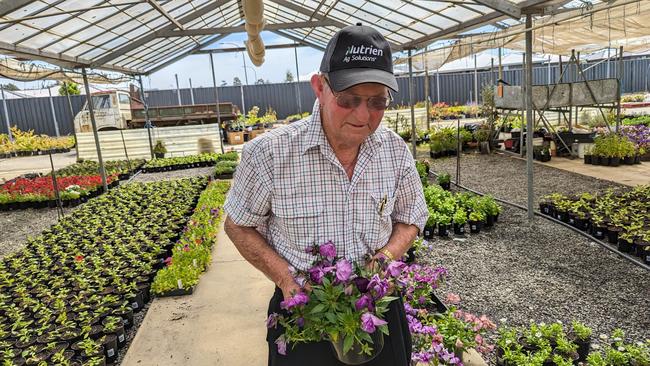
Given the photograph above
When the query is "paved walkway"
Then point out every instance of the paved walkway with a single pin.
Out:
(631, 175)
(13, 167)
(222, 323)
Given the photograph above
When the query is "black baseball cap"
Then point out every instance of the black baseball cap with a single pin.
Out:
(358, 54)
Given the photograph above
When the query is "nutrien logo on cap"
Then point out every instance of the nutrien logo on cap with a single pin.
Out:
(362, 53)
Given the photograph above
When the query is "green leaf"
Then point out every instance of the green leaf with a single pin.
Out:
(347, 343)
(331, 317)
(317, 309)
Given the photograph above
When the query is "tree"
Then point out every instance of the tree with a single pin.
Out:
(10, 87)
(260, 81)
(236, 81)
(288, 78)
(224, 83)
(69, 88)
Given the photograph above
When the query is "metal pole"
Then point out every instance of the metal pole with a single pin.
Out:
(126, 153)
(191, 92)
(216, 97)
(500, 66)
(475, 81)
(609, 50)
(91, 110)
(178, 90)
(245, 72)
(412, 102)
(549, 69)
(620, 88)
(492, 71)
(56, 124)
(438, 86)
(524, 85)
(147, 123)
(298, 97)
(4, 106)
(74, 128)
(529, 113)
(243, 104)
(459, 149)
(559, 114)
(55, 185)
(427, 105)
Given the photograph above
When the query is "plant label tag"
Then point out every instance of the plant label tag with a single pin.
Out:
(180, 284)
(462, 230)
(194, 262)
(134, 305)
(571, 221)
(473, 227)
(120, 338)
(110, 352)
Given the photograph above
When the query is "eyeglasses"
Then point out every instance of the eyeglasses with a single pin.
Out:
(351, 101)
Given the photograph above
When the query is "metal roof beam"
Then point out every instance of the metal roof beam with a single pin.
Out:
(466, 26)
(164, 12)
(7, 7)
(242, 49)
(503, 6)
(151, 36)
(241, 28)
(297, 39)
(57, 58)
(195, 50)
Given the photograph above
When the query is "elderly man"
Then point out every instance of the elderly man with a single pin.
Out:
(335, 176)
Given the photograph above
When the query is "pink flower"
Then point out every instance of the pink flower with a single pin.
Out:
(452, 298)
(365, 301)
(395, 268)
(328, 250)
(298, 299)
(370, 322)
(343, 270)
(282, 345)
(272, 320)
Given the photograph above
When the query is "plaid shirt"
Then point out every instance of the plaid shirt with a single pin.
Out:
(291, 187)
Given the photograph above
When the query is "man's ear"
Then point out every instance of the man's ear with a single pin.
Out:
(317, 85)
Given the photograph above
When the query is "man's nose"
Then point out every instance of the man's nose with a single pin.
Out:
(362, 113)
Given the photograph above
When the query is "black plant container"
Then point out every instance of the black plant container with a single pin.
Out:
(428, 232)
(443, 230)
(474, 227)
(459, 229)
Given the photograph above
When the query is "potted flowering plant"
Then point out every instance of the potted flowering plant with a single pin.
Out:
(345, 306)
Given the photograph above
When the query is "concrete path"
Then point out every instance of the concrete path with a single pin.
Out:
(13, 167)
(222, 323)
(631, 175)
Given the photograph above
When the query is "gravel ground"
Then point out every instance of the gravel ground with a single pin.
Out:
(505, 177)
(543, 272)
(174, 174)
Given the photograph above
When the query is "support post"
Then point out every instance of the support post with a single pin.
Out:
(500, 66)
(245, 72)
(4, 106)
(427, 105)
(216, 97)
(620, 88)
(459, 150)
(147, 123)
(524, 85)
(475, 81)
(55, 185)
(56, 124)
(298, 96)
(243, 104)
(191, 92)
(438, 86)
(91, 111)
(412, 102)
(529, 113)
(178, 90)
(549, 70)
(74, 128)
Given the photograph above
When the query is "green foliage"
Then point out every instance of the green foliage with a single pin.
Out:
(159, 148)
(69, 88)
(443, 178)
(580, 330)
(613, 146)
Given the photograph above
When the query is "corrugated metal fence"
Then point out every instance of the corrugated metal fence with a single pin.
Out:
(455, 87)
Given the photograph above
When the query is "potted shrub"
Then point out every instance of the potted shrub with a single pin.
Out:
(460, 218)
(444, 180)
(444, 221)
(476, 218)
(430, 226)
(159, 150)
(581, 336)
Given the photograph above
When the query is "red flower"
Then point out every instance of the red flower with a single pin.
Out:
(198, 241)
(168, 261)
(78, 258)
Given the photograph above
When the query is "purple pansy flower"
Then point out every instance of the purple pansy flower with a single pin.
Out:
(365, 301)
(298, 299)
(362, 284)
(343, 270)
(328, 250)
(395, 268)
(370, 322)
(282, 345)
(272, 320)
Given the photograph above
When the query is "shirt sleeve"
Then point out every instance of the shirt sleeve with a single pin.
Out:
(410, 206)
(248, 202)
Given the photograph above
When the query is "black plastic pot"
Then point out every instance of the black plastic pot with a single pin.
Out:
(587, 159)
(446, 186)
(624, 245)
(614, 161)
(562, 216)
(612, 234)
(489, 221)
(628, 160)
(443, 230)
(474, 227)
(459, 229)
(599, 232)
(428, 232)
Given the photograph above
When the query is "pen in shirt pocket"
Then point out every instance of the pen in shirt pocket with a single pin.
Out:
(382, 205)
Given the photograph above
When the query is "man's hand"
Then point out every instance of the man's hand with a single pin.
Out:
(289, 287)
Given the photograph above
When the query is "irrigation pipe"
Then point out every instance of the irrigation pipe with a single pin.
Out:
(600, 242)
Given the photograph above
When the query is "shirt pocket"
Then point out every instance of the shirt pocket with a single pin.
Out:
(297, 219)
(373, 216)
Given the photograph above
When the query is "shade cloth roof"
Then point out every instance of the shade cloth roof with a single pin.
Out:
(606, 25)
(139, 37)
